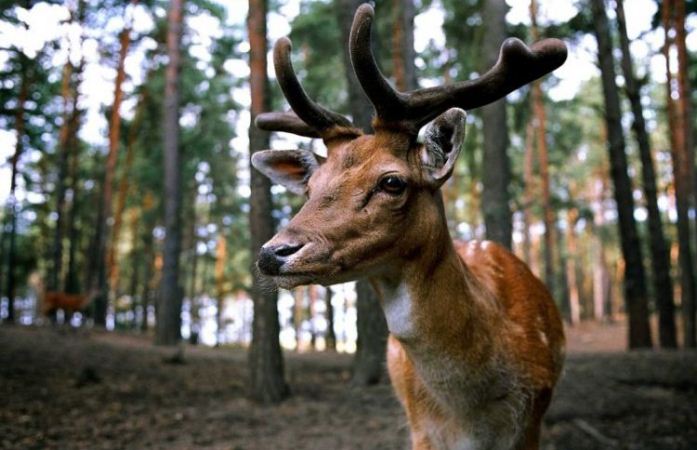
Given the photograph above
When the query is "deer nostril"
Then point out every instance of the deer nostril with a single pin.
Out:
(287, 250)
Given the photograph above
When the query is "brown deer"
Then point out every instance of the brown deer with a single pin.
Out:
(476, 343)
(52, 301)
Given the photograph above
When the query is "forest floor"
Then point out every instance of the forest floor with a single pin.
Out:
(66, 389)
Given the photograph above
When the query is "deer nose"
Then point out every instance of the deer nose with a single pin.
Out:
(272, 257)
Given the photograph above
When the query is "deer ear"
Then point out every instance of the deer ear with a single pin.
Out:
(289, 168)
(442, 142)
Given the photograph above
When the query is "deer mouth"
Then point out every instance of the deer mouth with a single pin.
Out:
(294, 264)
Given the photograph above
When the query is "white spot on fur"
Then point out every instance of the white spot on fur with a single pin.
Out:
(543, 337)
(397, 307)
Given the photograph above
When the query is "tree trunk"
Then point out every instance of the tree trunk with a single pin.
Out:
(12, 199)
(219, 276)
(496, 171)
(685, 105)
(311, 308)
(368, 362)
(571, 269)
(193, 283)
(63, 157)
(403, 54)
(541, 130)
(330, 336)
(683, 160)
(529, 193)
(102, 299)
(168, 326)
(266, 372)
(299, 297)
(148, 256)
(601, 274)
(112, 256)
(71, 277)
(660, 259)
(635, 279)
(136, 262)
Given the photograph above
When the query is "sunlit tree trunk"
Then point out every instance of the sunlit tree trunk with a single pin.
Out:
(495, 171)
(266, 372)
(660, 259)
(685, 108)
(540, 121)
(122, 193)
(368, 362)
(102, 300)
(635, 279)
(168, 325)
(683, 159)
(55, 278)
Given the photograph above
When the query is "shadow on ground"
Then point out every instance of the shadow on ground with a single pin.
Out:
(90, 390)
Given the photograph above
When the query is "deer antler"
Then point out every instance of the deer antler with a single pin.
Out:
(517, 66)
(309, 118)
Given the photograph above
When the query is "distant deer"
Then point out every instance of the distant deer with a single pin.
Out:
(52, 301)
(476, 343)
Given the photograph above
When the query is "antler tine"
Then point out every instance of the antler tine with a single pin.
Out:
(315, 116)
(517, 65)
(285, 121)
(386, 100)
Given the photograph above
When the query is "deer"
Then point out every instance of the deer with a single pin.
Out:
(476, 343)
(52, 301)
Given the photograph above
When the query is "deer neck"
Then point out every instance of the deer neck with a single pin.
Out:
(433, 303)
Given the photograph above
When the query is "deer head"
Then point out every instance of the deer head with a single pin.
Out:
(374, 201)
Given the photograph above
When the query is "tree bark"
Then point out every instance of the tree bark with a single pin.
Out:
(298, 297)
(540, 130)
(660, 259)
(136, 262)
(266, 372)
(112, 257)
(529, 192)
(601, 274)
(571, 267)
(20, 131)
(148, 256)
(102, 300)
(330, 336)
(168, 326)
(71, 278)
(635, 279)
(496, 167)
(683, 160)
(403, 54)
(368, 362)
(63, 157)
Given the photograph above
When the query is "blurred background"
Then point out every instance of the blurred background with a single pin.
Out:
(126, 188)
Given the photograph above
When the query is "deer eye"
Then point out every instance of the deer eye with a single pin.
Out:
(393, 185)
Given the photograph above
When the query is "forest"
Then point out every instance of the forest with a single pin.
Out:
(133, 313)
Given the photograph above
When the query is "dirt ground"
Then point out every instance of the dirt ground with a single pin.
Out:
(63, 389)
